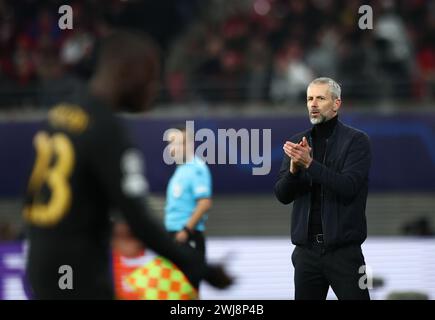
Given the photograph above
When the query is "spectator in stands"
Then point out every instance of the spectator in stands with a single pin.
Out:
(291, 74)
(258, 69)
(402, 41)
(54, 83)
(395, 51)
(426, 56)
(7, 231)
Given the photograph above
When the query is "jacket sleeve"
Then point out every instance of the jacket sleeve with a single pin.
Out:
(290, 186)
(349, 181)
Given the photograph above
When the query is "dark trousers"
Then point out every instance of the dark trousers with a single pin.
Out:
(196, 241)
(317, 269)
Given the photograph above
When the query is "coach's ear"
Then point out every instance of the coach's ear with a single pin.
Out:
(337, 105)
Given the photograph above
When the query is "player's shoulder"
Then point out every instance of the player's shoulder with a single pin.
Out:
(79, 115)
(69, 117)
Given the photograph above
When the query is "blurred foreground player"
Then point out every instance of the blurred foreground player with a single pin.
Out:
(84, 167)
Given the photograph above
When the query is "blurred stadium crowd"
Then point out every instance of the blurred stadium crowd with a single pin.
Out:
(226, 51)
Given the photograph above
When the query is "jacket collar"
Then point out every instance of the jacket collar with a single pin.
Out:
(332, 138)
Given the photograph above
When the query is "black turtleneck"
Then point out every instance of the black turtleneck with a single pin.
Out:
(320, 133)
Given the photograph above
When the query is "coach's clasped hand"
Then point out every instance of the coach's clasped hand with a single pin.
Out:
(300, 154)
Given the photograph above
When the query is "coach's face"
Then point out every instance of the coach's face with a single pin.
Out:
(322, 106)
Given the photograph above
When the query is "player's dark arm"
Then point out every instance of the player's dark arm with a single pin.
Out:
(119, 170)
(290, 186)
(354, 174)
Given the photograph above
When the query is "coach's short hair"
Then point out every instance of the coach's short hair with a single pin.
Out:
(334, 87)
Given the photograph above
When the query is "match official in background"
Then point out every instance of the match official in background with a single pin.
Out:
(188, 194)
(325, 174)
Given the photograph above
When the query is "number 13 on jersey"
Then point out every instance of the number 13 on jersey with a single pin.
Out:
(53, 166)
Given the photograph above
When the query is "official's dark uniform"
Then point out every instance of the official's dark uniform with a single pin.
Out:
(84, 167)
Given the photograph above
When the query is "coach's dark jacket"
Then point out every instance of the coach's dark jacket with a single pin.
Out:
(344, 185)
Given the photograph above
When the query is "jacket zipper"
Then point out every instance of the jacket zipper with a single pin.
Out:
(322, 195)
(311, 186)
